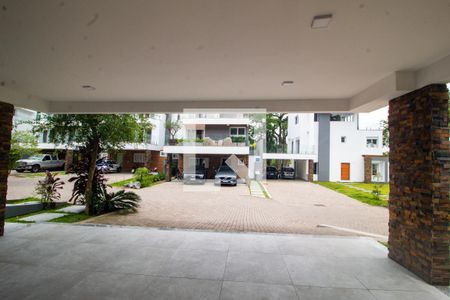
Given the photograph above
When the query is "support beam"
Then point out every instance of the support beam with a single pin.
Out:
(6, 115)
(419, 203)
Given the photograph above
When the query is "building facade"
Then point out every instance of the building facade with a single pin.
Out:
(130, 156)
(345, 152)
(208, 140)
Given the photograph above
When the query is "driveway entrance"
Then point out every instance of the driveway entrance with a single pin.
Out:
(295, 207)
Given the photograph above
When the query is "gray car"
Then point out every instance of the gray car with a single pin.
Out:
(40, 162)
(225, 176)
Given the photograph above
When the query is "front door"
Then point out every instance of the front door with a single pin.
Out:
(345, 171)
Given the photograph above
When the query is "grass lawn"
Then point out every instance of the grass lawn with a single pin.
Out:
(369, 187)
(28, 199)
(69, 218)
(122, 182)
(361, 196)
(36, 175)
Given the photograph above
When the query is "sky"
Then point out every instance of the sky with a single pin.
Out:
(372, 120)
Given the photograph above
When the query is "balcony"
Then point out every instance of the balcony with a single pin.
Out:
(215, 119)
(228, 145)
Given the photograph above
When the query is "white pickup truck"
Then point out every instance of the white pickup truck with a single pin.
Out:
(40, 162)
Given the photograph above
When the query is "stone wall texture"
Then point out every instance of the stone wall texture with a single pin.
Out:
(6, 115)
(419, 183)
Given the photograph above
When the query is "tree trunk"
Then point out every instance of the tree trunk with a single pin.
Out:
(169, 167)
(91, 174)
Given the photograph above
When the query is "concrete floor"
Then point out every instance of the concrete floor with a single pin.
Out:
(49, 261)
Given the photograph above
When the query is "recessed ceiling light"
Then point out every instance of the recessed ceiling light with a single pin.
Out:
(321, 21)
(287, 82)
(88, 87)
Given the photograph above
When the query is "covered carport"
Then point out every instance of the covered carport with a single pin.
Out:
(282, 56)
(303, 163)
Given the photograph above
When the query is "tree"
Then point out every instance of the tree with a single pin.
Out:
(95, 133)
(385, 126)
(172, 127)
(23, 144)
(276, 126)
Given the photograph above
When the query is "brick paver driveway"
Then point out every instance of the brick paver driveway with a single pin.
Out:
(296, 207)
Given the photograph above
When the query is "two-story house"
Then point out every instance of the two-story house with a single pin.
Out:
(209, 139)
(130, 156)
(345, 152)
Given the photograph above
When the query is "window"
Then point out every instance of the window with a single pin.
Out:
(375, 169)
(343, 139)
(372, 142)
(316, 167)
(296, 119)
(138, 158)
(342, 117)
(297, 142)
(237, 131)
(292, 147)
(45, 136)
(199, 134)
(148, 136)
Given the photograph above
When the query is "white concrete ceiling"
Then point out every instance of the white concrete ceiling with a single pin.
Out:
(141, 55)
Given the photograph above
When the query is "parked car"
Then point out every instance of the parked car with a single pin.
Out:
(197, 176)
(107, 165)
(225, 176)
(40, 162)
(272, 173)
(287, 173)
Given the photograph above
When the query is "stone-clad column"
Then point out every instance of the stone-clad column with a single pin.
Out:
(310, 170)
(419, 203)
(6, 115)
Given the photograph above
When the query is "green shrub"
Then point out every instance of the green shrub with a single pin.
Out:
(238, 139)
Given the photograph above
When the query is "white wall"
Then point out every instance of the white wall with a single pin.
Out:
(305, 131)
(352, 150)
(21, 115)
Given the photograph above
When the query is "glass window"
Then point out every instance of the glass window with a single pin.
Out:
(296, 119)
(237, 131)
(372, 142)
(138, 157)
(343, 139)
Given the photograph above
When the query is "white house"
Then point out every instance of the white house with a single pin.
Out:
(345, 152)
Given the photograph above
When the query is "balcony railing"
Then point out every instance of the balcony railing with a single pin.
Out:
(240, 141)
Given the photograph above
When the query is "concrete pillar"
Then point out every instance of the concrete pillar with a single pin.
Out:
(6, 115)
(324, 147)
(419, 202)
(310, 170)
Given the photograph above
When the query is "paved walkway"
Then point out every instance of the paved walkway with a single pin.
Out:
(295, 207)
(46, 261)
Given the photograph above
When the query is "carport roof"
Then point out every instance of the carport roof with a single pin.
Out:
(164, 56)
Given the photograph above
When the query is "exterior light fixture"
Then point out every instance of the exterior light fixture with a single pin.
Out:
(287, 83)
(88, 87)
(321, 21)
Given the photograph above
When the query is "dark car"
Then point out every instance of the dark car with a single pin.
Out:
(107, 165)
(225, 176)
(197, 176)
(272, 173)
(288, 173)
